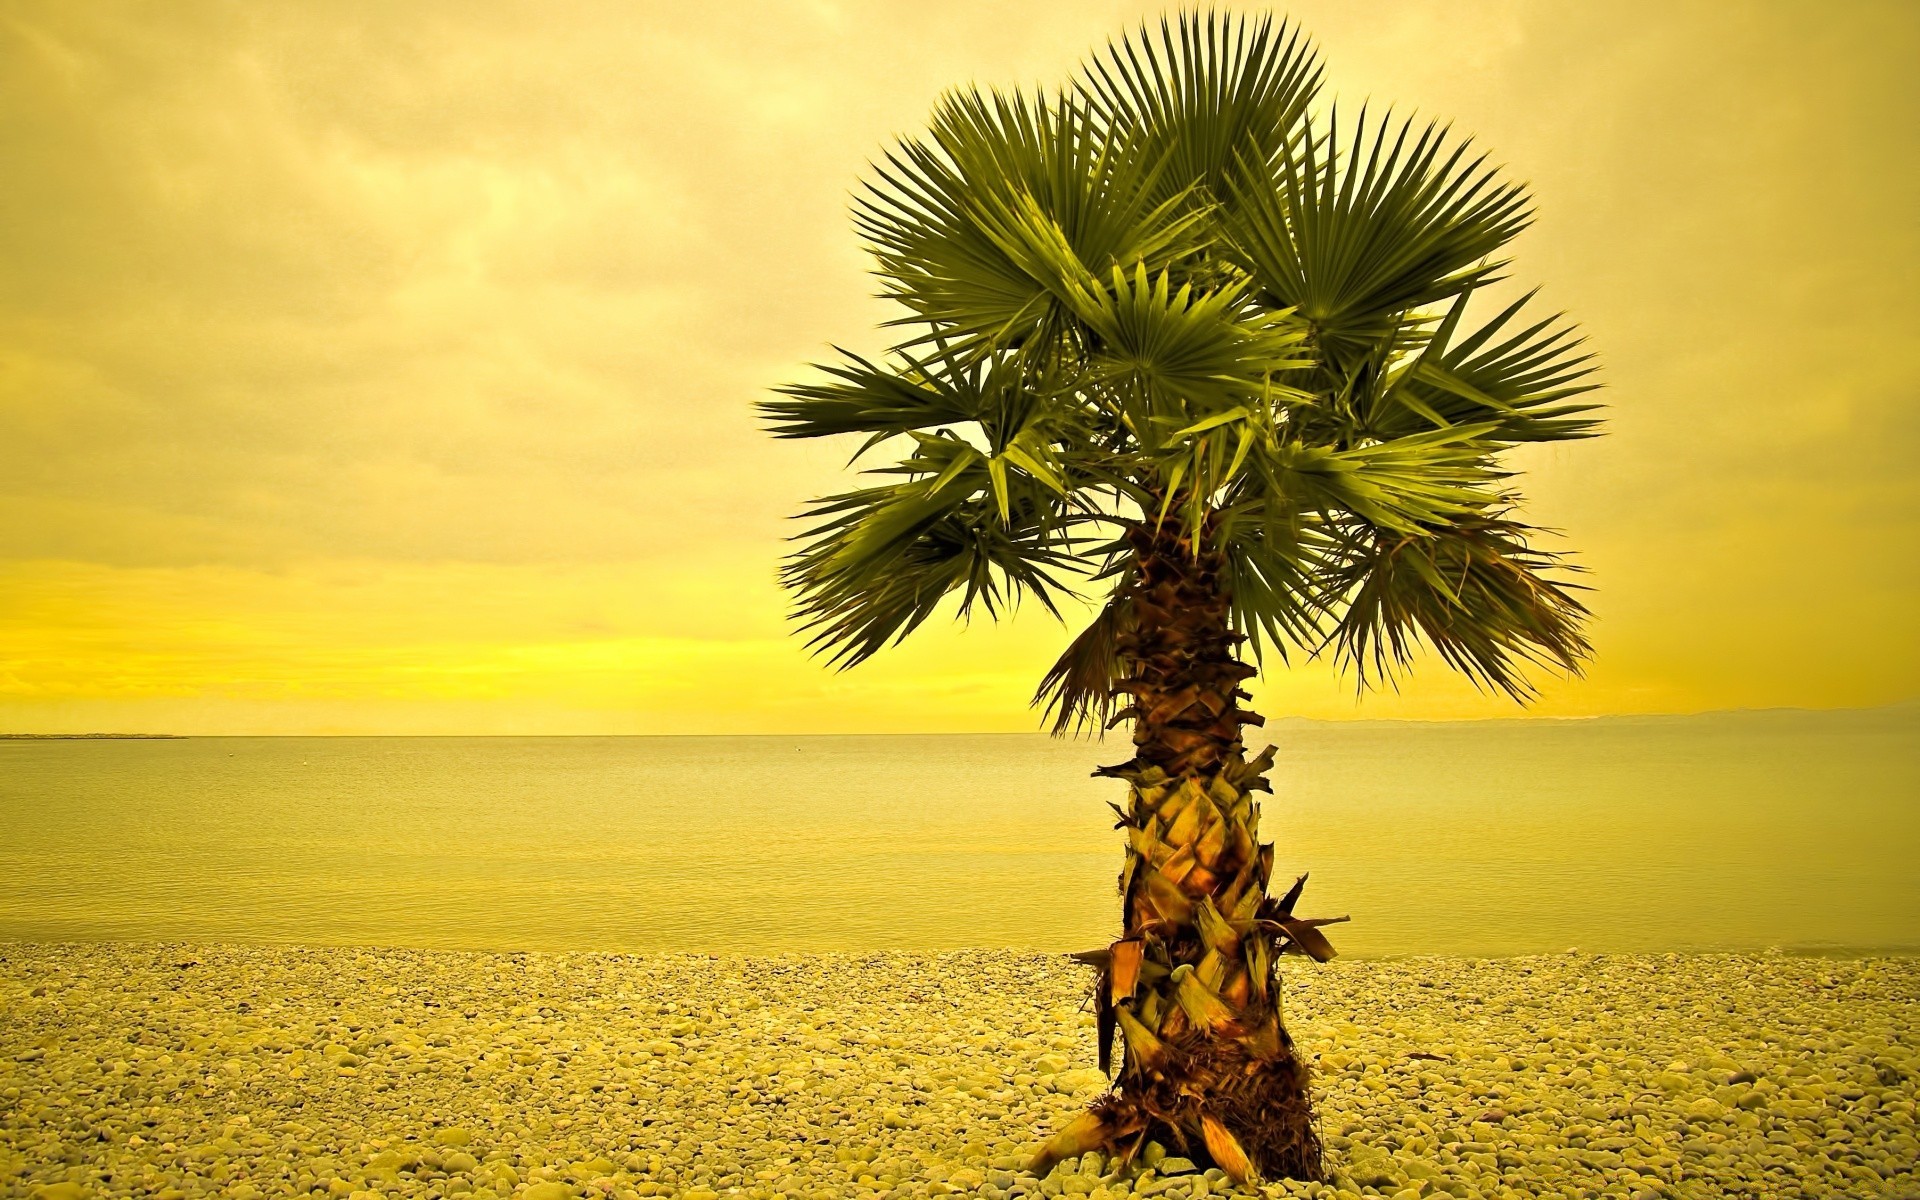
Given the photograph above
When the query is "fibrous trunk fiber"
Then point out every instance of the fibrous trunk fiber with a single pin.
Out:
(1206, 1065)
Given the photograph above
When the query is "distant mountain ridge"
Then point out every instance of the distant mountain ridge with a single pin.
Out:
(1897, 709)
(41, 737)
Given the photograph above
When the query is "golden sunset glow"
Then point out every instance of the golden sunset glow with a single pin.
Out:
(389, 370)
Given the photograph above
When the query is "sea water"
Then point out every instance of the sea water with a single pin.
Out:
(1798, 830)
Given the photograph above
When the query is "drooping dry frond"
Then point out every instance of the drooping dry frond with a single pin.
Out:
(1077, 692)
(1476, 591)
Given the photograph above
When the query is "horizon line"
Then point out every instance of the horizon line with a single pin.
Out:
(1910, 702)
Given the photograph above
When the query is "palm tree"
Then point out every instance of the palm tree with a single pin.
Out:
(1169, 334)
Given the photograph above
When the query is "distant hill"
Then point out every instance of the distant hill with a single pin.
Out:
(45, 737)
(1899, 711)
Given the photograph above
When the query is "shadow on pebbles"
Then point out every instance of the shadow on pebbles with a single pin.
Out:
(247, 1072)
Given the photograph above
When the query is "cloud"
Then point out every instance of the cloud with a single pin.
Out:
(435, 290)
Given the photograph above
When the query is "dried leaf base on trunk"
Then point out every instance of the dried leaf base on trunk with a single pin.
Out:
(1252, 1111)
(1206, 1065)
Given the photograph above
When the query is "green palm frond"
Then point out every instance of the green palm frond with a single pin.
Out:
(1404, 485)
(1475, 590)
(987, 230)
(1006, 405)
(880, 560)
(1521, 380)
(1275, 553)
(1173, 357)
(1357, 235)
(867, 398)
(1205, 94)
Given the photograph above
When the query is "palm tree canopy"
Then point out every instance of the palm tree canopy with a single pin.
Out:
(1170, 292)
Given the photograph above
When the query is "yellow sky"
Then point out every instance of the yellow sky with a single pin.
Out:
(387, 368)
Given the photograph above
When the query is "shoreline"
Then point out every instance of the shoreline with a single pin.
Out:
(178, 1070)
(34, 942)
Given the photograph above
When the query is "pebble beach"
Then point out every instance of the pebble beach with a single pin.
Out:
(178, 1072)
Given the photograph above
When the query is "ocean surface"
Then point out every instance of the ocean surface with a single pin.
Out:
(1798, 830)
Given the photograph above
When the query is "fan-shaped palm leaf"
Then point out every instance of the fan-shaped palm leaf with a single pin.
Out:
(985, 229)
(1519, 379)
(1474, 589)
(1204, 94)
(1356, 235)
(880, 560)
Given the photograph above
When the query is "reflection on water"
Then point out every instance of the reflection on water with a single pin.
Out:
(1722, 831)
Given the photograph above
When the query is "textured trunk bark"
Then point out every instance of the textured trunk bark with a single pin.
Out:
(1207, 1065)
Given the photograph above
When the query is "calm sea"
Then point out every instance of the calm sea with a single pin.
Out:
(1735, 830)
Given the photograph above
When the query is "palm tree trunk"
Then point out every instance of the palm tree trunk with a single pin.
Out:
(1207, 1066)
